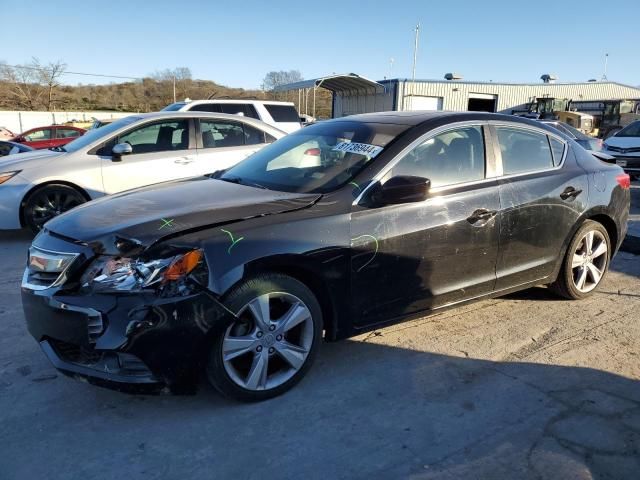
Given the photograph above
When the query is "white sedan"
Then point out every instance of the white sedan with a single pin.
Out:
(132, 152)
(625, 146)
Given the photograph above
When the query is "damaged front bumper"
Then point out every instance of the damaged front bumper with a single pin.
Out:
(124, 340)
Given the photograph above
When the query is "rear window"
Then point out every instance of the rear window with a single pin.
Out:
(283, 113)
(174, 107)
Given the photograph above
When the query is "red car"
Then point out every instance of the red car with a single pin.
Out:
(48, 137)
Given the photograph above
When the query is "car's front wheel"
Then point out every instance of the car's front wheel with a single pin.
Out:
(47, 202)
(585, 263)
(271, 344)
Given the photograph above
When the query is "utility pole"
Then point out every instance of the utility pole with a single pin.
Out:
(606, 61)
(174, 88)
(415, 52)
(415, 60)
(391, 60)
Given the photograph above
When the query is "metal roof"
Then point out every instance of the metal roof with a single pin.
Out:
(525, 84)
(334, 83)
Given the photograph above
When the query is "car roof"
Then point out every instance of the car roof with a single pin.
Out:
(239, 100)
(191, 114)
(418, 117)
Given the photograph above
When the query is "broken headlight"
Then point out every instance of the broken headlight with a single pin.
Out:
(118, 274)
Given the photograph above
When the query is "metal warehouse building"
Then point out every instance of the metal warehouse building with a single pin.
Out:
(354, 94)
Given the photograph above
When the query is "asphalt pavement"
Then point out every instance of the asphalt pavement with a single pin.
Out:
(527, 386)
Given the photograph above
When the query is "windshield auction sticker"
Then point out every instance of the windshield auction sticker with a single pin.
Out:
(360, 148)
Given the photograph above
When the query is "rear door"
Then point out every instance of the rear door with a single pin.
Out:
(223, 143)
(161, 152)
(419, 256)
(542, 192)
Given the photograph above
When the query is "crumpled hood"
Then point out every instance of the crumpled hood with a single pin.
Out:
(20, 161)
(623, 142)
(136, 219)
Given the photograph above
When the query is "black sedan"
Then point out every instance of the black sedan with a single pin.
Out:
(339, 228)
(11, 148)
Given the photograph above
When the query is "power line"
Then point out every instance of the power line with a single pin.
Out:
(65, 72)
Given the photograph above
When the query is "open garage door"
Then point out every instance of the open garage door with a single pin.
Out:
(482, 102)
(420, 102)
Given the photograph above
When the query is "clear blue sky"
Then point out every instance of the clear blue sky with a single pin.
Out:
(236, 42)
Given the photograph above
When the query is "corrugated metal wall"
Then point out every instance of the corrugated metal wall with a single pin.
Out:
(353, 102)
(455, 95)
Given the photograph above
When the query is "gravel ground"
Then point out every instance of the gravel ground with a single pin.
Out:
(527, 386)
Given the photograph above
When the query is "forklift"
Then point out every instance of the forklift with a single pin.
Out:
(610, 116)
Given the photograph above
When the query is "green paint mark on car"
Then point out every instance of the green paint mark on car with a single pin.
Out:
(233, 242)
(166, 223)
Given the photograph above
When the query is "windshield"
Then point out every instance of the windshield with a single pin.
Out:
(318, 159)
(174, 107)
(631, 130)
(96, 134)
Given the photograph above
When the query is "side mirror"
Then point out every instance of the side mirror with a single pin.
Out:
(404, 189)
(119, 150)
(20, 139)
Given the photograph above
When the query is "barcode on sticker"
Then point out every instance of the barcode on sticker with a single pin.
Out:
(360, 148)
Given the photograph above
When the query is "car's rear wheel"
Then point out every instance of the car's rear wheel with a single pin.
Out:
(585, 263)
(47, 202)
(271, 344)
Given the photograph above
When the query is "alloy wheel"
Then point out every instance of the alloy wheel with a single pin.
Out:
(51, 202)
(269, 343)
(589, 261)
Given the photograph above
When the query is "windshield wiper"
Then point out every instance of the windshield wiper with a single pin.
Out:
(241, 181)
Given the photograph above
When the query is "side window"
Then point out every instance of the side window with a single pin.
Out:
(253, 136)
(557, 147)
(233, 108)
(158, 137)
(5, 149)
(67, 133)
(219, 133)
(523, 150)
(37, 135)
(206, 107)
(454, 156)
(250, 111)
(283, 113)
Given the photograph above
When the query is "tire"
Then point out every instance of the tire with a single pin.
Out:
(251, 359)
(48, 202)
(578, 279)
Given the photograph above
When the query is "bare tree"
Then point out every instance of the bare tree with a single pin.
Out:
(32, 86)
(275, 79)
(49, 76)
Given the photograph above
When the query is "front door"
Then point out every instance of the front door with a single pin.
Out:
(419, 256)
(39, 139)
(160, 153)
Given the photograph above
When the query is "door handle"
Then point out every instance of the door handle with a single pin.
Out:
(481, 214)
(183, 161)
(570, 192)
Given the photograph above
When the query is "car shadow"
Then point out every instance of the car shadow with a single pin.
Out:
(366, 410)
